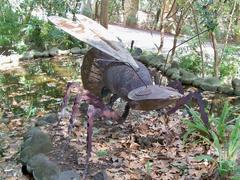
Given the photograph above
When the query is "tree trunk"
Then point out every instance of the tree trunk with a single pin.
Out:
(162, 26)
(176, 35)
(104, 13)
(97, 7)
(199, 41)
(217, 60)
(130, 12)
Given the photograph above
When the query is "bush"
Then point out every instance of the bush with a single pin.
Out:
(10, 26)
(223, 134)
(230, 63)
(191, 62)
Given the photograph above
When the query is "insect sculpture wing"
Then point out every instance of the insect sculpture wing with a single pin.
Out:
(92, 33)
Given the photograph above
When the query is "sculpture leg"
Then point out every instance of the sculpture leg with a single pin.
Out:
(197, 96)
(92, 113)
(70, 86)
(177, 85)
(125, 114)
(113, 98)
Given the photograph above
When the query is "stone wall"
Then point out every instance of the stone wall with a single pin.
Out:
(172, 71)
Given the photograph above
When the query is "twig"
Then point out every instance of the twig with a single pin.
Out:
(180, 45)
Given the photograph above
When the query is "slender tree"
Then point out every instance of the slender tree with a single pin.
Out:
(104, 13)
(130, 12)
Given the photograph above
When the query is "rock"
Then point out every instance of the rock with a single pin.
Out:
(176, 76)
(45, 53)
(102, 175)
(31, 132)
(27, 56)
(67, 175)
(175, 64)
(152, 60)
(137, 52)
(84, 51)
(48, 119)
(156, 61)
(54, 51)
(64, 52)
(75, 50)
(235, 83)
(163, 68)
(197, 82)
(210, 84)
(35, 142)
(36, 54)
(226, 89)
(187, 77)
(236, 91)
(42, 168)
(171, 71)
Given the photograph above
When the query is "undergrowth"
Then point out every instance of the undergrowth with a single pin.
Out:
(223, 136)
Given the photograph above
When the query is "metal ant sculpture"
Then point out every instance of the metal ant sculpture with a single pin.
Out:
(109, 67)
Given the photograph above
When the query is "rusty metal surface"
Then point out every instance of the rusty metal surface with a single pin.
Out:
(91, 73)
(92, 33)
(154, 92)
(153, 97)
(121, 79)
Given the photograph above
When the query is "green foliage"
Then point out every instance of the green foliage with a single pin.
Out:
(223, 136)
(114, 10)
(191, 62)
(27, 83)
(21, 31)
(131, 21)
(102, 153)
(230, 62)
(10, 26)
(149, 167)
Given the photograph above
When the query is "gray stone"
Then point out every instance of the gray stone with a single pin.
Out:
(237, 91)
(35, 142)
(164, 67)
(176, 76)
(45, 53)
(102, 175)
(42, 168)
(64, 52)
(187, 77)
(48, 119)
(156, 61)
(31, 132)
(75, 50)
(175, 64)
(236, 83)
(210, 84)
(67, 175)
(137, 52)
(144, 59)
(171, 71)
(26, 56)
(36, 54)
(152, 59)
(197, 82)
(84, 51)
(226, 89)
(54, 51)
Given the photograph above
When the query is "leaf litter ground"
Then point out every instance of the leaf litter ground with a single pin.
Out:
(146, 146)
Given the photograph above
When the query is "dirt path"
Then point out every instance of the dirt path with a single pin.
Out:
(148, 40)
